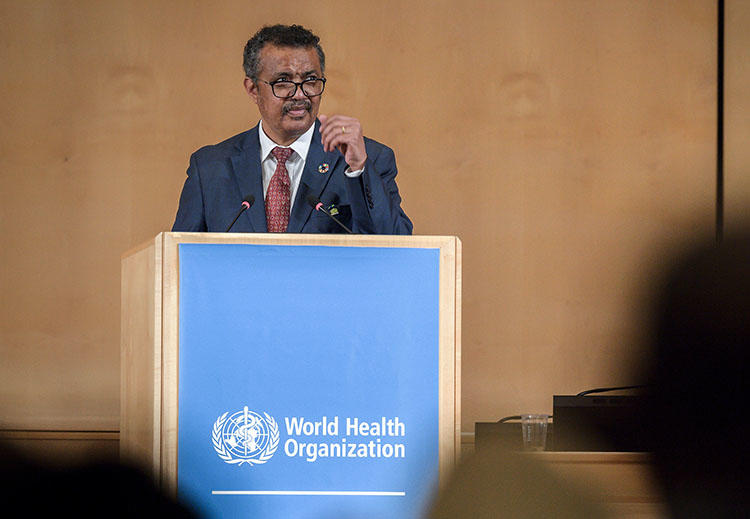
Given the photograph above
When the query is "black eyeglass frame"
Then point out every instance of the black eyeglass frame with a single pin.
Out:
(296, 84)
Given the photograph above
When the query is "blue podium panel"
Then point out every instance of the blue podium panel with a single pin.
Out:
(308, 380)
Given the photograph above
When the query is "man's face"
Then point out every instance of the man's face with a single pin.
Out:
(285, 119)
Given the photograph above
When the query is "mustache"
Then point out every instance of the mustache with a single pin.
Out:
(296, 105)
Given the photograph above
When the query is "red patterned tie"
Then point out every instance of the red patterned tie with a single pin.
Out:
(278, 196)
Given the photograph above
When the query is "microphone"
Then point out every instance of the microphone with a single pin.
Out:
(246, 204)
(318, 206)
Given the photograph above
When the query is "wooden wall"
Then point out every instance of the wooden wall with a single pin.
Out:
(737, 115)
(567, 143)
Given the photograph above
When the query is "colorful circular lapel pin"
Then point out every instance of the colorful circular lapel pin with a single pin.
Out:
(323, 168)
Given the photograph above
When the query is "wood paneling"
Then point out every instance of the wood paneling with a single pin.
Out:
(565, 142)
(736, 115)
(141, 356)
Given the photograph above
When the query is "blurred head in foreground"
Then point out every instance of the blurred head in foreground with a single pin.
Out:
(37, 487)
(697, 372)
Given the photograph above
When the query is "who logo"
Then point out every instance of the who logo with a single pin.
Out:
(245, 437)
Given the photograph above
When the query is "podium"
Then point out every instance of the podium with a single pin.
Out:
(293, 375)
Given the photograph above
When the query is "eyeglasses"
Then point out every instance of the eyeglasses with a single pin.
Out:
(284, 88)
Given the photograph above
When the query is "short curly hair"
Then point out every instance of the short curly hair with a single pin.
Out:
(281, 36)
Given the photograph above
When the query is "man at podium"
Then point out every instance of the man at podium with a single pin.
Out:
(294, 171)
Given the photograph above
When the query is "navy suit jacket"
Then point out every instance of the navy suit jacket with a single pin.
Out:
(222, 175)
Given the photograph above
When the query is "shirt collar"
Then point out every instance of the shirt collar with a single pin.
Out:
(300, 146)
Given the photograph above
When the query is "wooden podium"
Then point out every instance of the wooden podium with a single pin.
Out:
(226, 414)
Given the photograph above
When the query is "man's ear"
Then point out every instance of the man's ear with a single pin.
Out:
(252, 89)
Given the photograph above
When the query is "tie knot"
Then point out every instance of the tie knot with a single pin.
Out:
(281, 154)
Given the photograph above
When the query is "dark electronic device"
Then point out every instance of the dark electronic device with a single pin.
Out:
(588, 421)
(598, 423)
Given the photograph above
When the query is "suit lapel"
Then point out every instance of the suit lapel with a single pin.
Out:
(313, 181)
(247, 171)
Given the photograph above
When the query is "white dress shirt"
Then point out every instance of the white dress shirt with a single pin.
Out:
(295, 164)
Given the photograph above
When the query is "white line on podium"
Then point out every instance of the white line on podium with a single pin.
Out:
(304, 493)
